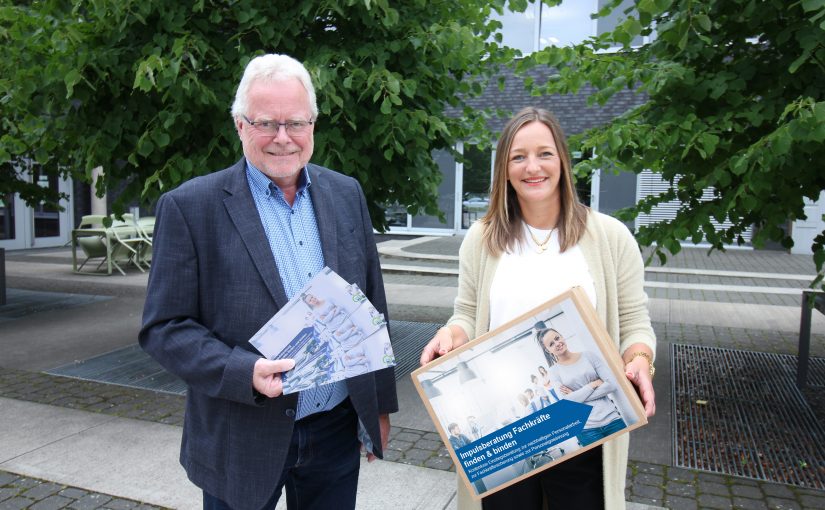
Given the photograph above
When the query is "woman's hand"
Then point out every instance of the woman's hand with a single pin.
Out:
(445, 340)
(638, 371)
(595, 384)
(565, 390)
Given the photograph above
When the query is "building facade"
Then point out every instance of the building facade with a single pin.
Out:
(464, 191)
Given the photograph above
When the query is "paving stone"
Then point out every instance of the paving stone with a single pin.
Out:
(43, 490)
(432, 436)
(753, 492)
(120, 399)
(678, 488)
(133, 413)
(713, 488)
(398, 445)
(393, 455)
(72, 492)
(781, 504)
(408, 435)
(51, 503)
(425, 444)
(8, 493)
(649, 479)
(713, 501)
(438, 463)
(91, 501)
(645, 501)
(25, 482)
(654, 469)
(778, 491)
(648, 491)
(744, 482)
(705, 476)
(417, 455)
(749, 504)
(120, 504)
(6, 478)
(15, 503)
(679, 503)
(813, 500)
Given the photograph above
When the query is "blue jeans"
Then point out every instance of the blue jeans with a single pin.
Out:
(587, 436)
(321, 468)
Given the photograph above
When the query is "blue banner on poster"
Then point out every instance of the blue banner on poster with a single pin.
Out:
(519, 440)
(299, 343)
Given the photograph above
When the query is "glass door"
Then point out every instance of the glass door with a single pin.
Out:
(11, 222)
(35, 227)
(50, 224)
(475, 183)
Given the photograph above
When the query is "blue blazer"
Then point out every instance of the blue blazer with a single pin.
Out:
(213, 284)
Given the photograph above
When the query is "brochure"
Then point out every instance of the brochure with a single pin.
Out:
(332, 332)
(530, 394)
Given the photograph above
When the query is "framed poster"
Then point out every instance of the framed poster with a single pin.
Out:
(530, 394)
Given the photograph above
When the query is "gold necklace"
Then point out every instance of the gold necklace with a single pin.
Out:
(541, 245)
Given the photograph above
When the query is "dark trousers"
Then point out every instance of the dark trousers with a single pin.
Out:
(575, 483)
(321, 468)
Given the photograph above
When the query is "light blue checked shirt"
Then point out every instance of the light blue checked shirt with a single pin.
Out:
(294, 240)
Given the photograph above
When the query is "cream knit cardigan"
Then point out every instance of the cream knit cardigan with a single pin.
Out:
(615, 263)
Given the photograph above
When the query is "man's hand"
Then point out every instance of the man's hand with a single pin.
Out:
(266, 376)
(384, 426)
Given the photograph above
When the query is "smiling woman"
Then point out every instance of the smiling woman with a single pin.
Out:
(536, 241)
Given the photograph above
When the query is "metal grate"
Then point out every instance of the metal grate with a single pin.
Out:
(20, 303)
(740, 413)
(129, 366)
(132, 367)
(408, 340)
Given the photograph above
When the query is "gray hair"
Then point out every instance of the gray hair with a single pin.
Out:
(272, 68)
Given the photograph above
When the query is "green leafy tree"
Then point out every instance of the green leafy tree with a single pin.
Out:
(735, 96)
(143, 88)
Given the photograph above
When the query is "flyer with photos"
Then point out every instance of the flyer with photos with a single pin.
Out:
(530, 394)
(332, 332)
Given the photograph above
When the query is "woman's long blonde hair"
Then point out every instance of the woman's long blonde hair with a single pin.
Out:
(503, 220)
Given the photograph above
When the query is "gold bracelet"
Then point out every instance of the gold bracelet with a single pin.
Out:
(649, 359)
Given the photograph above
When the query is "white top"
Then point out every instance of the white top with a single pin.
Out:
(526, 278)
(578, 376)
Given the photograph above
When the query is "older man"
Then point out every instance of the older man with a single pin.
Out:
(230, 249)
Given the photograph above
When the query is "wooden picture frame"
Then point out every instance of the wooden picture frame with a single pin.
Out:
(503, 419)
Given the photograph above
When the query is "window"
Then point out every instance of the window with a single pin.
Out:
(540, 26)
(566, 24)
(519, 29)
(476, 183)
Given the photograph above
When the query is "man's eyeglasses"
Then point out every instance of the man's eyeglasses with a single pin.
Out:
(271, 127)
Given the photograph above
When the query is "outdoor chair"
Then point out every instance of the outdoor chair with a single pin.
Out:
(92, 243)
(121, 243)
(133, 242)
(146, 227)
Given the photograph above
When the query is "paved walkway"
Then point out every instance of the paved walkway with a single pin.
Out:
(79, 444)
